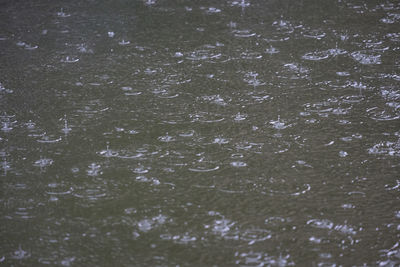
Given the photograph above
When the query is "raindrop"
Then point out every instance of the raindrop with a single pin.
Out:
(43, 162)
(6, 127)
(108, 152)
(150, 2)
(272, 50)
(278, 124)
(69, 59)
(141, 169)
(94, 169)
(62, 14)
(166, 138)
(124, 42)
(220, 141)
(30, 125)
(66, 129)
(238, 164)
(240, 117)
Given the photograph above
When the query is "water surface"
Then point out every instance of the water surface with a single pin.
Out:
(200, 133)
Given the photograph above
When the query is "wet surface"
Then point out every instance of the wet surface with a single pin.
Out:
(200, 133)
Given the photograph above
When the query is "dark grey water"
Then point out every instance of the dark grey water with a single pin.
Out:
(200, 133)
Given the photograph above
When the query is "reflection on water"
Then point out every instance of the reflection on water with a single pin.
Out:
(249, 133)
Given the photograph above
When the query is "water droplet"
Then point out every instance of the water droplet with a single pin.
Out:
(150, 2)
(220, 141)
(141, 169)
(124, 42)
(240, 117)
(278, 124)
(166, 138)
(108, 152)
(62, 14)
(66, 129)
(69, 59)
(94, 169)
(238, 164)
(43, 162)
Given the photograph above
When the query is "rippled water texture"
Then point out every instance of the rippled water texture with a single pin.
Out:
(200, 133)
